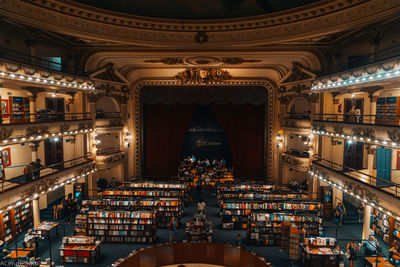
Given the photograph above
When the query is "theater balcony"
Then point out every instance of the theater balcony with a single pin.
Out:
(25, 70)
(296, 162)
(358, 183)
(45, 178)
(300, 123)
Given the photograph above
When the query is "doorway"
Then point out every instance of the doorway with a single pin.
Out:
(353, 155)
(356, 116)
(56, 105)
(54, 152)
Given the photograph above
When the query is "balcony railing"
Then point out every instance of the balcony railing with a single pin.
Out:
(41, 117)
(17, 57)
(108, 115)
(359, 119)
(108, 151)
(297, 116)
(42, 172)
(378, 183)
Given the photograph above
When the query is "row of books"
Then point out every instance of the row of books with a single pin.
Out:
(128, 227)
(119, 233)
(141, 193)
(121, 221)
(271, 206)
(153, 185)
(121, 214)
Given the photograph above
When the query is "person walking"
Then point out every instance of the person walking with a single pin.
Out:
(352, 249)
(173, 225)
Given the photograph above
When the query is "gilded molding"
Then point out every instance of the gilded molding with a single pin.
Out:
(319, 18)
(269, 115)
(202, 76)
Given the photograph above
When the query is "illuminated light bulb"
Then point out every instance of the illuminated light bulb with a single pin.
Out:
(22, 77)
(30, 79)
(64, 84)
(371, 77)
(358, 196)
(357, 80)
(31, 137)
(361, 138)
(52, 82)
(58, 83)
(389, 213)
(369, 139)
(39, 137)
(351, 193)
(376, 141)
(3, 73)
(365, 200)
(349, 141)
(379, 76)
(388, 74)
(342, 135)
(12, 75)
(59, 133)
(45, 81)
(53, 134)
(363, 78)
(384, 142)
(398, 218)
(380, 208)
(37, 79)
(23, 138)
(15, 140)
(372, 204)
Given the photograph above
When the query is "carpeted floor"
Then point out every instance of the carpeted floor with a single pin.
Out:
(112, 251)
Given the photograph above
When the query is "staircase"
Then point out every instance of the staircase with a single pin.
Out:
(351, 214)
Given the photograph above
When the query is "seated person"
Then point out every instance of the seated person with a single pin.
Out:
(30, 239)
(238, 241)
(370, 246)
(395, 255)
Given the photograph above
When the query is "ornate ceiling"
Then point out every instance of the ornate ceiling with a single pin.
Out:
(310, 22)
(194, 9)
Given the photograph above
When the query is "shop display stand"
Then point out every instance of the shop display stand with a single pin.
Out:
(79, 249)
(199, 229)
(321, 251)
(122, 226)
(294, 242)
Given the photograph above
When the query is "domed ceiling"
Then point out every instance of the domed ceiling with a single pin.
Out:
(196, 9)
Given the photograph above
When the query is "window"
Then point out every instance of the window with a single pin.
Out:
(53, 63)
(6, 156)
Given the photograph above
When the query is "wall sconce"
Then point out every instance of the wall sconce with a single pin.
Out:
(127, 138)
(279, 140)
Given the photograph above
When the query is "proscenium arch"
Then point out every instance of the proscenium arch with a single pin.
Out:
(270, 110)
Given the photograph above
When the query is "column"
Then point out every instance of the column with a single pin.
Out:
(366, 222)
(372, 109)
(36, 212)
(34, 148)
(92, 185)
(337, 196)
(313, 187)
(32, 108)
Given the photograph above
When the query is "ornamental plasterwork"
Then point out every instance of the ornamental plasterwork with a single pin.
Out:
(394, 135)
(5, 133)
(202, 76)
(35, 72)
(298, 23)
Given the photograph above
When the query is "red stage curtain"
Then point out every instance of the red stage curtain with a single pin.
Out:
(244, 127)
(165, 127)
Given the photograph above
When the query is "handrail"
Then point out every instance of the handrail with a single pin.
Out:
(359, 119)
(108, 115)
(44, 171)
(18, 57)
(39, 117)
(304, 116)
(108, 151)
(359, 176)
(360, 61)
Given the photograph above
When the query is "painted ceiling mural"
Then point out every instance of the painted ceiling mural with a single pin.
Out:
(196, 9)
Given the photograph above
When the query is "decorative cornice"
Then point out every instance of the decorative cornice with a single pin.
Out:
(202, 76)
(321, 18)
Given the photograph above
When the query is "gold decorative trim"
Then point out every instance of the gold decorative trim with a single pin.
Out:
(202, 76)
(269, 85)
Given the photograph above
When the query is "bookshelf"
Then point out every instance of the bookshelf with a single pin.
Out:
(165, 208)
(155, 185)
(122, 226)
(19, 108)
(381, 225)
(266, 228)
(80, 224)
(234, 214)
(2, 174)
(23, 217)
(294, 242)
(387, 110)
(138, 193)
(79, 249)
